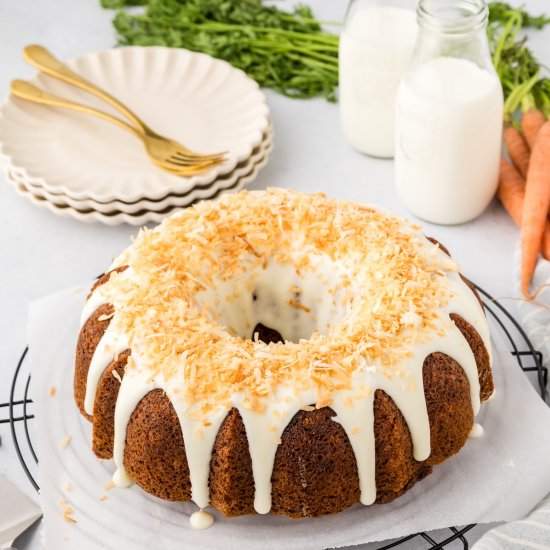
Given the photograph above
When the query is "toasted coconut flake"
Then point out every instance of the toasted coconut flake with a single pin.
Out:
(52, 391)
(66, 511)
(326, 402)
(105, 317)
(67, 515)
(298, 305)
(411, 318)
(392, 283)
(116, 376)
(66, 441)
(108, 486)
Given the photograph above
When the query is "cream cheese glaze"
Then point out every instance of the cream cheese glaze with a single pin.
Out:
(315, 304)
(201, 520)
(477, 431)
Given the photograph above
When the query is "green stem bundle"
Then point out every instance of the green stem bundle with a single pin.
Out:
(288, 52)
(291, 53)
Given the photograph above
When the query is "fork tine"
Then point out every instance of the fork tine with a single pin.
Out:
(183, 169)
(189, 162)
(178, 155)
(181, 162)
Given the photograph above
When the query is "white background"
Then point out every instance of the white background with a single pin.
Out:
(41, 253)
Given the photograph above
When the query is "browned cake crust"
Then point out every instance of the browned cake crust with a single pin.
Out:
(104, 407)
(315, 472)
(396, 468)
(231, 488)
(481, 354)
(89, 338)
(154, 455)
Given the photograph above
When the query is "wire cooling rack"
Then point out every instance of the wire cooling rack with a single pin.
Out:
(529, 360)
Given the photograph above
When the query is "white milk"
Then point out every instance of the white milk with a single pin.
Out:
(376, 49)
(449, 128)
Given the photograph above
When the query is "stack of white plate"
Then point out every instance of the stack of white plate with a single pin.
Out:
(80, 166)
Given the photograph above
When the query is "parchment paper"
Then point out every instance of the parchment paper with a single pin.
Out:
(17, 512)
(500, 476)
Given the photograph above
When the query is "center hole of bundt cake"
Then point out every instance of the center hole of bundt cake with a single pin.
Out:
(277, 301)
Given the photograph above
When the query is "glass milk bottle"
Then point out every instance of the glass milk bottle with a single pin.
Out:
(376, 48)
(449, 116)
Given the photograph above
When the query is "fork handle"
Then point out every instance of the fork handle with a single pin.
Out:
(25, 90)
(40, 58)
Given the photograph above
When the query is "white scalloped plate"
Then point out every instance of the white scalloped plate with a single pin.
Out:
(170, 200)
(203, 102)
(142, 216)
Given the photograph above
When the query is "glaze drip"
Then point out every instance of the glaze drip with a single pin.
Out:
(201, 519)
(477, 431)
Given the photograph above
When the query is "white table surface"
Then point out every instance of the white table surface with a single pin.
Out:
(41, 253)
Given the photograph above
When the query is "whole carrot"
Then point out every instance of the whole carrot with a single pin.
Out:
(517, 148)
(532, 122)
(535, 207)
(511, 192)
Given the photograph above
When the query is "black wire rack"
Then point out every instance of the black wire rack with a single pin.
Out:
(529, 360)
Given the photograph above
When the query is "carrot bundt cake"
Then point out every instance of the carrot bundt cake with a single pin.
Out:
(281, 352)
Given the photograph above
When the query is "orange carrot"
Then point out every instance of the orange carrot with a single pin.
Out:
(532, 122)
(511, 192)
(518, 150)
(535, 207)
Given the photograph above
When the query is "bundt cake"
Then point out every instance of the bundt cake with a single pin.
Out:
(281, 352)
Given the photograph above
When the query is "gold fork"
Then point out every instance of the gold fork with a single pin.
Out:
(174, 154)
(156, 148)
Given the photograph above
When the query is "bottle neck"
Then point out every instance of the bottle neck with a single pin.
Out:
(453, 18)
(453, 28)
